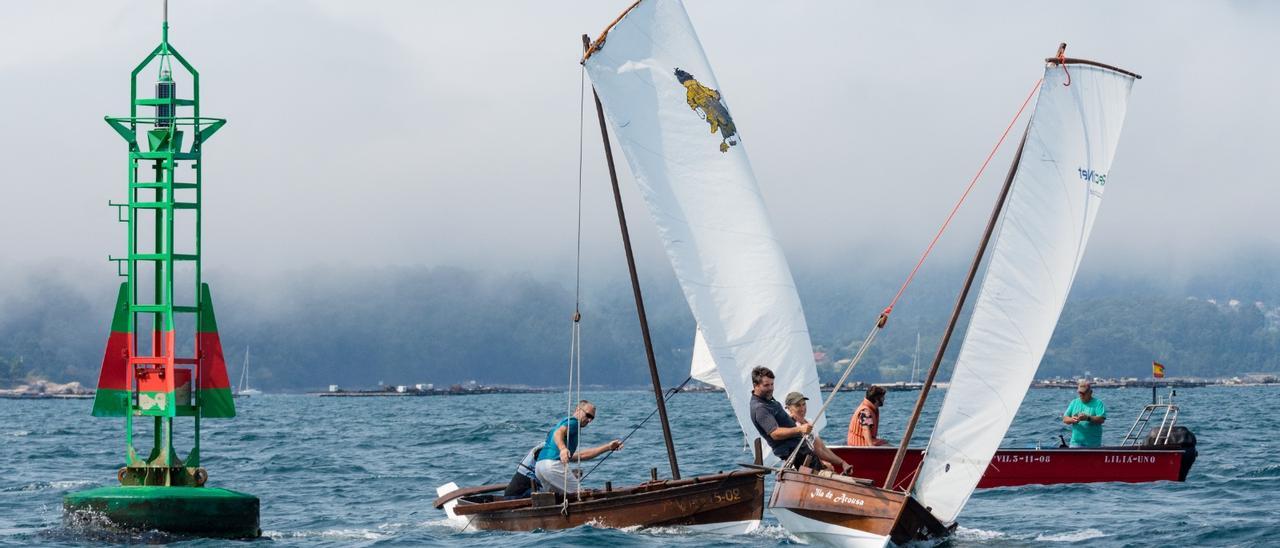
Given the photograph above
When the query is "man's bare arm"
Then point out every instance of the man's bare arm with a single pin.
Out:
(591, 453)
(866, 435)
(561, 443)
(828, 455)
(782, 433)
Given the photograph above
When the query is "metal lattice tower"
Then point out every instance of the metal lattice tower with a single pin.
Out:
(149, 370)
(164, 358)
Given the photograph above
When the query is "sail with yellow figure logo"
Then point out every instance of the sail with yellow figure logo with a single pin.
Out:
(683, 145)
(674, 122)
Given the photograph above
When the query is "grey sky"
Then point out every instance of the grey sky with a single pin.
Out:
(407, 133)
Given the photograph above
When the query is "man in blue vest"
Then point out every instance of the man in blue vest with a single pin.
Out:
(562, 445)
(1085, 414)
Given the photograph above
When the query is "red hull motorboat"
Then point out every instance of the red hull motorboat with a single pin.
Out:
(1012, 467)
(1149, 452)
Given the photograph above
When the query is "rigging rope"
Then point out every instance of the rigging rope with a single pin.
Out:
(808, 438)
(884, 315)
(574, 362)
(973, 182)
(670, 393)
(575, 337)
(577, 273)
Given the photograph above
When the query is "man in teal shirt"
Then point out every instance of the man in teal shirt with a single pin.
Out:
(1085, 414)
(552, 469)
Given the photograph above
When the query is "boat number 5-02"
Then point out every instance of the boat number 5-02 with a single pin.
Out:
(732, 495)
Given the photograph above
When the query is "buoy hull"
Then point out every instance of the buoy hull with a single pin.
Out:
(196, 511)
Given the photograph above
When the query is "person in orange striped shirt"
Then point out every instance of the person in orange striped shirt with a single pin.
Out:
(864, 427)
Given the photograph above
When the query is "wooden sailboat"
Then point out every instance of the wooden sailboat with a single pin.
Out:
(651, 78)
(731, 502)
(723, 503)
(675, 124)
(1041, 221)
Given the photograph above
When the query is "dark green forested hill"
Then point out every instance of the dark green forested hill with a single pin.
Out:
(1204, 325)
(447, 325)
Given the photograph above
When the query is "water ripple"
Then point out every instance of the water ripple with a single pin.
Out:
(362, 471)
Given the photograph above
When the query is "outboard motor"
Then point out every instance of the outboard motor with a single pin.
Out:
(1181, 437)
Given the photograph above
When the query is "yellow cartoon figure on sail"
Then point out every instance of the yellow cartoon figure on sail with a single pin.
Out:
(706, 101)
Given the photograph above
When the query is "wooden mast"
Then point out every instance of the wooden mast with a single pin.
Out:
(955, 316)
(635, 282)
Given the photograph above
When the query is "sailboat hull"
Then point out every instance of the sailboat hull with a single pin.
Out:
(730, 502)
(730, 528)
(814, 531)
(845, 512)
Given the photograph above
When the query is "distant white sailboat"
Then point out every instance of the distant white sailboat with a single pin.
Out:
(915, 363)
(243, 390)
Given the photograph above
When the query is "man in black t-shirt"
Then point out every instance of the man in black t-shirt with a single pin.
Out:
(772, 421)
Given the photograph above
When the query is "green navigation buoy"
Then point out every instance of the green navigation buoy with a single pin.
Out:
(200, 511)
(147, 369)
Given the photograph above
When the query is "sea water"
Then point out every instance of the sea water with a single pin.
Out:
(363, 471)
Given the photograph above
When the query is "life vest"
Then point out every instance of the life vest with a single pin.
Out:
(865, 416)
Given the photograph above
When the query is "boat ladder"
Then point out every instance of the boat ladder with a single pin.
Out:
(1138, 432)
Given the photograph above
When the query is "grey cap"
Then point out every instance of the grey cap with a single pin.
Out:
(795, 398)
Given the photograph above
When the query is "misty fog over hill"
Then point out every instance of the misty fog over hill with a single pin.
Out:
(427, 235)
(399, 325)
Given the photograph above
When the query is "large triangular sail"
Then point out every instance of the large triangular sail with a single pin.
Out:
(689, 161)
(1059, 183)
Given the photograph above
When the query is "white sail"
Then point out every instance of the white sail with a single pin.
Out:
(702, 367)
(690, 164)
(1070, 142)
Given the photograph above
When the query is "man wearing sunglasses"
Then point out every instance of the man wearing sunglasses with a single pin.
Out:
(1085, 414)
(562, 445)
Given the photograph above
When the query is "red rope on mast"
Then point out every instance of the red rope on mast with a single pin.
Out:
(884, 316)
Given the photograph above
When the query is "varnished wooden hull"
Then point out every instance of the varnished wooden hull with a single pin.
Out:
(702, 500)
(839, 511)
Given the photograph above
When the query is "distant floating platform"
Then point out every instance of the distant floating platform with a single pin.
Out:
(432, 392)
(196, 511)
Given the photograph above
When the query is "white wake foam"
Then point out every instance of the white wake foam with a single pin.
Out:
(337, 534)
(1072, 536)
(965, 533)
